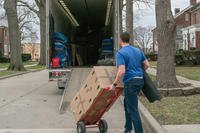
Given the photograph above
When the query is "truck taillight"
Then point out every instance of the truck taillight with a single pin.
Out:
(59, 74)
(54, 74)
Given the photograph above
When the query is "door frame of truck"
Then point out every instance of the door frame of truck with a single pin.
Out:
(116, 30)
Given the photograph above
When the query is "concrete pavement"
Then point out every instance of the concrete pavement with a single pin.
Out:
(193, 128)
(29, 103)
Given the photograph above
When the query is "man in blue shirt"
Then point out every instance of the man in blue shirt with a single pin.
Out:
(130, 61)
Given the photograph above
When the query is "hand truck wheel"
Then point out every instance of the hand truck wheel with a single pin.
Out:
(81, 128)
(103, 126)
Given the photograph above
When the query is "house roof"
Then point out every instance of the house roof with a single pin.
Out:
(188, 9)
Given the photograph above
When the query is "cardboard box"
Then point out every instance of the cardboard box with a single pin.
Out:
(77, 107)
(99, 78)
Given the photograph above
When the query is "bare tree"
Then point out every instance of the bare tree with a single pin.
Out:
(41, 12)
(143, 36)
(14, 35)
(166, 31)
(27, 20)
(130, 15)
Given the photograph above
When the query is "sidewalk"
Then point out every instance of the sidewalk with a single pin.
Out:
(195, 128)
(181, 79)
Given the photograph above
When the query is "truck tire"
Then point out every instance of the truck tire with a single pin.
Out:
(61, 88)
(81, 128)
(61, 84)
(103, 126)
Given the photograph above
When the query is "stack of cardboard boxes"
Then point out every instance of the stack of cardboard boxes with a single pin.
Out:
(99, 78)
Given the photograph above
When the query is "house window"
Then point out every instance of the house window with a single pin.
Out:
(6, 50)
(187, 17)
(5, 33)
(194, 18)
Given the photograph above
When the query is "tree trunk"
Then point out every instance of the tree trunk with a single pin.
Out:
(129, 19)
(166, 75)
(121, 6)
(16, 63)
(42, 11)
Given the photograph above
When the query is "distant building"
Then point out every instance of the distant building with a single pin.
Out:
(188, 27)
(4, 41)
(154, 47)
(33, 49)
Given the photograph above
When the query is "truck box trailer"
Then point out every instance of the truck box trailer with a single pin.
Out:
(85, 23)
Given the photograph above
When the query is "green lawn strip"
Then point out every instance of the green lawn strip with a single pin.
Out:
(175, 110)
(189, 72)
(7, 73)
(30, 63)
(5, 65)
(31, 68)
(35, 67)
(153, 63)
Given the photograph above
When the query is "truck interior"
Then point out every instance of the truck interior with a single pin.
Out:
(85, 23)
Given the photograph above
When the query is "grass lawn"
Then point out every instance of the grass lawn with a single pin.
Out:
(189, 72)
(153, 63)
(5, 65)
(35, 67)
(175, 110)
(6, 73)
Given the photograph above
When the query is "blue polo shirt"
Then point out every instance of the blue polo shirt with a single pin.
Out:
(133, 59)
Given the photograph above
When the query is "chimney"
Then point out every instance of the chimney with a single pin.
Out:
(193, 2)
(177, 10)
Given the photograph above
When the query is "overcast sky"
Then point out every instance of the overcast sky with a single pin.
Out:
(146, 15)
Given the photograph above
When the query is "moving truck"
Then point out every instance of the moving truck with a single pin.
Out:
(85, 23)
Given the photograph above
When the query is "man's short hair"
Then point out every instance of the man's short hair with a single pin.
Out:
(125, 37)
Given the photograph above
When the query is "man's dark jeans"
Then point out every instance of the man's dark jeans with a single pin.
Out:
(131, 90)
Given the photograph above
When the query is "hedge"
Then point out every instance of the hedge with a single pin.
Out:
(4, 60)
(181, 57)
(26, 57)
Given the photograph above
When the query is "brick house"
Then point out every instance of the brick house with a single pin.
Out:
(188, 27)
(4, 41)
(33, 49)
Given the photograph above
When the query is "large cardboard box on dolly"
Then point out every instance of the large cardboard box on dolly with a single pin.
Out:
(99, 78)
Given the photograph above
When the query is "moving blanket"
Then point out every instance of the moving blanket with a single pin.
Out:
(150, 90)
(59, 37)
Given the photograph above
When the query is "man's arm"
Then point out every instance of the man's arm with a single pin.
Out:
(120, 73)
(146, 64)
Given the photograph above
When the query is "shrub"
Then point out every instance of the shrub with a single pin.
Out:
(1, 55)
(26, 57)
(4, 60)
(179, 59)
(192, 56)
(152, 56)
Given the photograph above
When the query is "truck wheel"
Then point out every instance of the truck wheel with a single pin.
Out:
(61, 88)
(103, 126)
(81, 128)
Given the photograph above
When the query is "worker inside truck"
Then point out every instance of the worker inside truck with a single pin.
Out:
(130, 61)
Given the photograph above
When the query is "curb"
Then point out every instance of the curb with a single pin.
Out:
(22, 73)
(149, 122)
